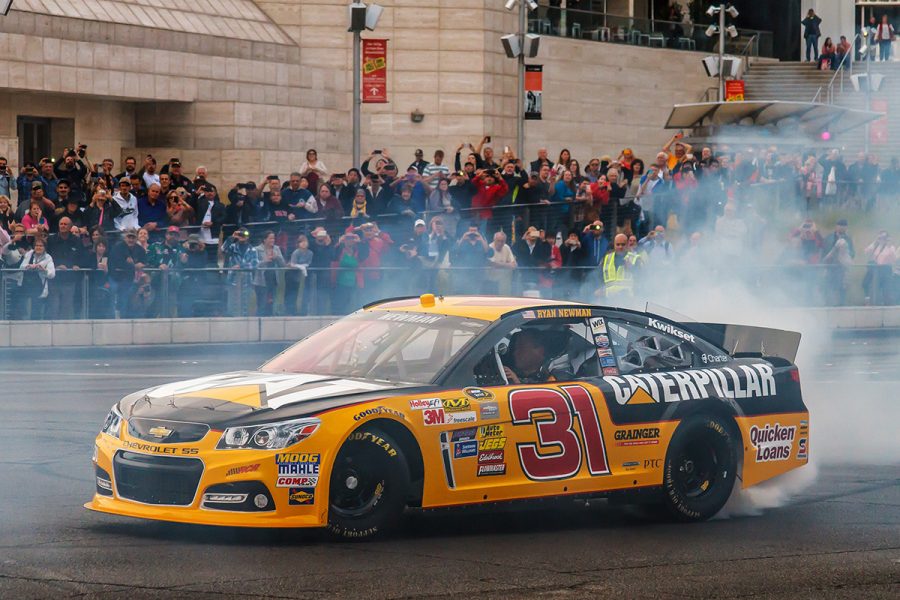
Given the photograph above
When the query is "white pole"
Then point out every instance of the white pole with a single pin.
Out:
(520, 82)
(357, 96)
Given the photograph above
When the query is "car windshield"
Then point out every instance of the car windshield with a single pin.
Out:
(391, 346)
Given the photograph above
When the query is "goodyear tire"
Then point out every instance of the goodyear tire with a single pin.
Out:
(700, 467)
(369, 485)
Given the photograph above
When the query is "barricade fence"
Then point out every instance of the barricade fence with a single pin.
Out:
(219, 292)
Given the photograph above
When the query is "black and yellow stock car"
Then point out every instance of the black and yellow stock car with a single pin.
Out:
(438, 402)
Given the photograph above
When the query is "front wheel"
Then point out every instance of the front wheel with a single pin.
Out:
(369, 485)
(700, 468)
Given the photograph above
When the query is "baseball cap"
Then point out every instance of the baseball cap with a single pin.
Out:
(419, 222)
(173, 229)
(130, 233)
(37, 185)
(193, 239)
(419, 152)
(321, 233)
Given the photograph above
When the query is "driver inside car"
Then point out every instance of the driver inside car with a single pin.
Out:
(527, 352)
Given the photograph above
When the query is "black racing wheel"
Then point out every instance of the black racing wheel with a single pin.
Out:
(369, 485)
(700, 467)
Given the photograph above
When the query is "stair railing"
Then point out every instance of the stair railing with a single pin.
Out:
(829, 89)
(744, 54)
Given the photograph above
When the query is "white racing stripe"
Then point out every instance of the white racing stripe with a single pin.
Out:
(330, 388)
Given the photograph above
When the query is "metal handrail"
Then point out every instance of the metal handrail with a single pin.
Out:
(743, 54)
(840, 69)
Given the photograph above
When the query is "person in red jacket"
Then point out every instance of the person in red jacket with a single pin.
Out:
(490, 190)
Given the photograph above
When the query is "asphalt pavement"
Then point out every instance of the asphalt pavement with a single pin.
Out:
(829, 530)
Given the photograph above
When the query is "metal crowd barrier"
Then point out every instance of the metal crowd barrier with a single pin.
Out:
(219, 292)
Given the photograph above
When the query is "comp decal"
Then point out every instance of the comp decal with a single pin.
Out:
(753, 381)
(558, 451)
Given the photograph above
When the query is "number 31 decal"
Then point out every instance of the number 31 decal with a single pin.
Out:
(553, 414)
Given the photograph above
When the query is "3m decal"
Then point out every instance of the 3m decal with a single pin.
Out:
(670, 329)
(558, 453)
(637, 437)
(301, 496)
(289, 481)
(772, 442)
(242, 470)
(753, 381)
(433, 416)
(465, 449)
(489, 410)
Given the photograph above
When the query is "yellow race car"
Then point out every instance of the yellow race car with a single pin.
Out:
(440, 402)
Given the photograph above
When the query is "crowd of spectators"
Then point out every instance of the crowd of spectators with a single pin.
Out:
(153, 241)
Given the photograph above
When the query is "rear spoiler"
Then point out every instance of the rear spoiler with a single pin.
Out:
(747, 340)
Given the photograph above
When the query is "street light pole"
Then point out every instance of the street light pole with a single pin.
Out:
(520, 96)
(722, 53)
(357, 95)
(868, 102)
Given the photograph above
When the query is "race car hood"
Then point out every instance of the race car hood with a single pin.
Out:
(249, 396)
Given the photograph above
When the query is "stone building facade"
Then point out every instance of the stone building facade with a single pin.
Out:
(244, 87)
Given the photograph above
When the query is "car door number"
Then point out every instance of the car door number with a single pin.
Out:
(559, 451)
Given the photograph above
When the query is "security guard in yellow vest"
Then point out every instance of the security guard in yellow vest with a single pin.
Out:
(618, 264)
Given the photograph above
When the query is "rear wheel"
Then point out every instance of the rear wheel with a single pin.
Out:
(700, 468)
(369, 485)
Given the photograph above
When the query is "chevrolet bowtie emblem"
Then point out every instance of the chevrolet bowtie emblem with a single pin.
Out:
(160, 432)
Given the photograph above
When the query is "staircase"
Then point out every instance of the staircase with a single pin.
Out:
(796, 82)
(799, 82)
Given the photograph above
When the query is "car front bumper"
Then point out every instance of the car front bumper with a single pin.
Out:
(196, 483)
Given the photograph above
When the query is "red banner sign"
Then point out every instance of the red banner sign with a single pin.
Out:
(374, 71)
(534, 91)
(734, 90)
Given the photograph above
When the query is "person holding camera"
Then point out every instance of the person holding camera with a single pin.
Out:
(72, 165)
(102, 212)
(469, 258)
(178, 212)
(8, 181)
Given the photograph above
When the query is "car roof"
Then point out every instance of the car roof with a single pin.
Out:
(487, 308)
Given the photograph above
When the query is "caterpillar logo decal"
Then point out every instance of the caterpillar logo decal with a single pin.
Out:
(743, 381)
